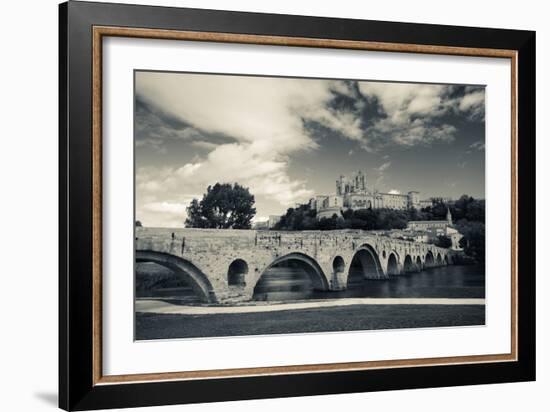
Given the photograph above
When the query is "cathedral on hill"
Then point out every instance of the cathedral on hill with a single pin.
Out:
(354, 193)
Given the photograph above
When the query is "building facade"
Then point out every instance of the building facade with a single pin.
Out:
(353, 193)
(427, 231)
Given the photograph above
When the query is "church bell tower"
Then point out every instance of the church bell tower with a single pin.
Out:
(449, 217)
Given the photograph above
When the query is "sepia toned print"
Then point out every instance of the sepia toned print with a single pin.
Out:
(268, 205)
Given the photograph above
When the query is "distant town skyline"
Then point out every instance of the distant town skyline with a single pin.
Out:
(288, 140)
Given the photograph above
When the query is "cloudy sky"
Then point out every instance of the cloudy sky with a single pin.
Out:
(289, 139)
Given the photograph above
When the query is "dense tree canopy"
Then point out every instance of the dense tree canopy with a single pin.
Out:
(473, 241)
(304, 218)
(469, 219)
(223, 206)
(300, 218)
(443, 241)
(466, 207)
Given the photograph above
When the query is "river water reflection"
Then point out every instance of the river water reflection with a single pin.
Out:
(444, 282)
(290, 282)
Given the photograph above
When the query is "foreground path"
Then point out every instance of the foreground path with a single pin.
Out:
(351, 317)
(162, 307)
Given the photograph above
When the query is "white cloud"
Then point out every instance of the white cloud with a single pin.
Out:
(165, 207)
(342, 88)
(263, 118)
(384, 166)
(261, 110)
(261, 122)
(346, 123)
(413, 112)
(398, 98)
(473, 104)
(162, 214)
(266, 178)
(202, 144)
(479, 145)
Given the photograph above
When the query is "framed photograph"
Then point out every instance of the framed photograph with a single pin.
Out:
(256, 205)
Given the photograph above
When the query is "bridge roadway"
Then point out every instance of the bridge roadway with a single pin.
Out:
(224, 266)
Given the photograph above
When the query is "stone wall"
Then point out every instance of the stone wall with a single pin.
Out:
(212, 251)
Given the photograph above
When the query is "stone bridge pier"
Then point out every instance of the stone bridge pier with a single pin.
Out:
(224, 266)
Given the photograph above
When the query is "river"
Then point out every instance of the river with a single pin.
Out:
(443, 282)
(293, 284)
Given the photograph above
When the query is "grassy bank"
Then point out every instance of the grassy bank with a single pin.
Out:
(349, 318)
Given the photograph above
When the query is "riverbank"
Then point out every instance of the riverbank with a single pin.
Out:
(324, 319)
(162, 307)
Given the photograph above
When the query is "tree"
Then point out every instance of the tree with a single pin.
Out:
(195, 218)
(332, 223)
(438, 210)
(304, 218)
(473, 241)
(391, 219)
(443, 241)
(366, 219)
(466, 207)
(138, 223)
(223, 206)
(299, 218)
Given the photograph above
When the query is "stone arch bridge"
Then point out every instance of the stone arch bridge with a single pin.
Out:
(225, 265)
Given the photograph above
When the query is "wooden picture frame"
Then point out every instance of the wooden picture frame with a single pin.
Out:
(82, 385)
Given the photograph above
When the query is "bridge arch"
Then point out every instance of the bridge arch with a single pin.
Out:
(338, 264)
(429, 261)
(418, 263)
(439, 260)
(393, 266)
(182, 268)
(236, 273)
(408, 265)
(365, 264)
(315, 273)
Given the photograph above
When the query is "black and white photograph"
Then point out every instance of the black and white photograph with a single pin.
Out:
(276, 205)
(213, 206)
